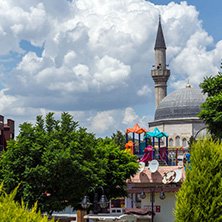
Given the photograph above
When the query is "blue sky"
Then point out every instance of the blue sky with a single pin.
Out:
(209, 13)
(94, 58)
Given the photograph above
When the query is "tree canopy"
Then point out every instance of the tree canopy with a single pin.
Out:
(211, 109)
(200, 196)
(119, 139)
(56, 161)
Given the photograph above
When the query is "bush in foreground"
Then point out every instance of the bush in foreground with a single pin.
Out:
(200, 197)
(12, 211)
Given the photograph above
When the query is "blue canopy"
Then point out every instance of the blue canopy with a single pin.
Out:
(156, 133)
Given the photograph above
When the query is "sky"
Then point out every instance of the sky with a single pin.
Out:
(93, 59)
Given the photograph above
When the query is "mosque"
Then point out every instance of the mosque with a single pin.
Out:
(176, 113)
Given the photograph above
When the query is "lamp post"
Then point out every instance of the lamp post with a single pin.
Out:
(103, 202)
(152, 201)
(152, 198)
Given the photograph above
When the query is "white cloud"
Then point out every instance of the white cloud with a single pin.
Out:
(108, 122)
(101, 122)
(130, 116)
(145, 90)
(110, 72)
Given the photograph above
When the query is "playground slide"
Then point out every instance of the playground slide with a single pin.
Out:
(145, 158)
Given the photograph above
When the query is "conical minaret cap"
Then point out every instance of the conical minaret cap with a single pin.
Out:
(160, 42)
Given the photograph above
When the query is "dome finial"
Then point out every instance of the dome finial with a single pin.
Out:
(188, 85)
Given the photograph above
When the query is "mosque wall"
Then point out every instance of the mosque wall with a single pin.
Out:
(199, 129)
(179, 131)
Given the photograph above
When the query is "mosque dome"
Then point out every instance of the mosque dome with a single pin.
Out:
(181, 104)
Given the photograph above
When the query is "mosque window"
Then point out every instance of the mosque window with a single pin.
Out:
(184, 142)
(177, 141)
(171, 142)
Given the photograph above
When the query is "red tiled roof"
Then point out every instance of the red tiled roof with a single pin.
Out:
(146, 177)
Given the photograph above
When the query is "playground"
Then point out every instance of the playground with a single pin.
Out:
(153, 145)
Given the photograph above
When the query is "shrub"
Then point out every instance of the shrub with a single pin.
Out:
(12, 211)
(200, 197)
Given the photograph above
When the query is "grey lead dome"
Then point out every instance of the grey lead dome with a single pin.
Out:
(180, 104)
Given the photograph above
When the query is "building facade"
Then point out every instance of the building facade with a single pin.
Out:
(7, 132)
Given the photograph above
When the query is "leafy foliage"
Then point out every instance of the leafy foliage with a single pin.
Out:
(119, 139)
(211, 109)
(14, 212)
(190, 142)
(56, 161)
(200, 197)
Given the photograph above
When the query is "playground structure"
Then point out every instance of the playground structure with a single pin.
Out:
(171, 156)
(129, 147)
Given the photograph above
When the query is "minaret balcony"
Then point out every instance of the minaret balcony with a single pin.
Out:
(160, 73)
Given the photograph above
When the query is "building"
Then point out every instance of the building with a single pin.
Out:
(7, 132)
(176, 113)
(159, 198)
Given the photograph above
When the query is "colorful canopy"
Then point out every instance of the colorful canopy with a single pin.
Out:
(156, 133)
(136, 129)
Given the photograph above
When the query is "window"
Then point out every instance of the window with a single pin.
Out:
(171, 142)
(184, 142)
(177, 141)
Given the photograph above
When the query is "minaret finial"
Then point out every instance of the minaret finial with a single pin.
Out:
(188, 84)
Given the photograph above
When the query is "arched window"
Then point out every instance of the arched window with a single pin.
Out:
(170, 142)
(177, 141)
(184, 142)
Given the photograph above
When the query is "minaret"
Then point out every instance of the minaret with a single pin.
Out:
(160, 74)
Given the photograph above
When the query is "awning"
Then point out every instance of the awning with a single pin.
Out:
(156, 133)
(136, 129)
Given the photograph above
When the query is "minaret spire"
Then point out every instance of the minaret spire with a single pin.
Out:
(160, 74)
(160, 42)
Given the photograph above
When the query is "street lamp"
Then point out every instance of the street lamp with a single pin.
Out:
(103, 202)
(162, 195)
(142, 195)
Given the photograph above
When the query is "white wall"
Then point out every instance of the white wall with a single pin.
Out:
(166, 206)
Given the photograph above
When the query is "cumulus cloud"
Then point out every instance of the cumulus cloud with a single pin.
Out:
(97, 56)
(113, 120)
(130, 116)
(145, 90)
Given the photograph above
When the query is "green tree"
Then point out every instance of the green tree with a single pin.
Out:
(119, 139)
(211, 109)
(200, 196)
(190, 142)
(56, 161)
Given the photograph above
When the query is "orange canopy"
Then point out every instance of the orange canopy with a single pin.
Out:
(136, 129)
